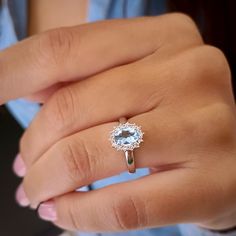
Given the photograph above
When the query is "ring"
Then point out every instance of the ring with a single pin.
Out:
(126, 137)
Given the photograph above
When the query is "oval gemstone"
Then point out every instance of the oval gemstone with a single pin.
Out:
(127, 136)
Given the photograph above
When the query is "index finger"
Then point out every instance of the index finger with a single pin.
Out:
(71, 53)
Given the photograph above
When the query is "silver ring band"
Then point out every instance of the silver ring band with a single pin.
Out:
(129, 154)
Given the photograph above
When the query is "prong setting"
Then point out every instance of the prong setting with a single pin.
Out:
(126, 137)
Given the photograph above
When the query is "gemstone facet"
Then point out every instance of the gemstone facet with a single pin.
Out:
(126, 136)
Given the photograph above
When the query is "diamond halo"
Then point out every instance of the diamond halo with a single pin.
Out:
(126, 137)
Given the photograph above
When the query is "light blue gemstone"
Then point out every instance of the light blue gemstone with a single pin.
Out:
(126, 136)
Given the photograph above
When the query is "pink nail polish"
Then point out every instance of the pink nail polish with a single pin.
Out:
(19, 166)
(21, 197)
(47, 211)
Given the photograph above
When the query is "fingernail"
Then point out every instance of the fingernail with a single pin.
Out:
(47, 211)
(19, 166)
(21, 197)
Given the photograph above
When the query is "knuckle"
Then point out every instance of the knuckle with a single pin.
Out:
(183, 19)
(209, 64)
(61, 110)
(78, 161)
(220, 65)
(184, 22)
(178, 24)
(128, 214)
(204, 64)
(55, 45)
(219, 125)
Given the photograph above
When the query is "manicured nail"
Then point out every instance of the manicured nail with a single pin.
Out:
(47, 211)
(21, 197)
(19, 166)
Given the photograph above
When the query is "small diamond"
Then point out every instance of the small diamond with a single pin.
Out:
(126, 137)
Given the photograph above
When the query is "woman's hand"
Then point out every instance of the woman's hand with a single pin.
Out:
(38, 66)
(161, 77)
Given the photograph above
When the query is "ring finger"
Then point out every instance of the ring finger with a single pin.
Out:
(87, 156)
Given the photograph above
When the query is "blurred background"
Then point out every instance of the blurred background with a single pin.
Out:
(14, 220)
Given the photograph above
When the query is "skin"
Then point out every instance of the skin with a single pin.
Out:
(158, 73)
(45, 15)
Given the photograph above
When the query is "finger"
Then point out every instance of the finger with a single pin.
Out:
(21, 197)
(162, 199)
(89, 103)
(76, 52)
(123, 91)
(19, 167)
(88, 156)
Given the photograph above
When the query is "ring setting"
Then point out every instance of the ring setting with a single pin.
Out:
(126, 137)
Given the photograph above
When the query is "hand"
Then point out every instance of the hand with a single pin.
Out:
(40, 65)
(176, 88)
